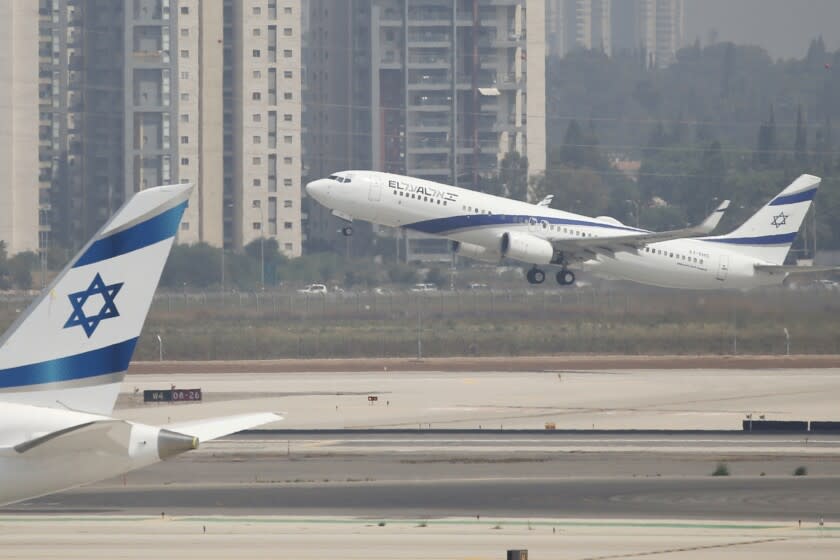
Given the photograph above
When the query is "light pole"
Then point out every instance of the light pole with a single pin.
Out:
(45, 250)
(160, 348)
(229, 205)
(787, 342)
(262, 249)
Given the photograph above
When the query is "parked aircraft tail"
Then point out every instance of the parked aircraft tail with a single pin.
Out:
(93, 312)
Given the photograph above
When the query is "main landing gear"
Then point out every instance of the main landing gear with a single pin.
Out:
(535, 276)
(347, 231)
(565, 277)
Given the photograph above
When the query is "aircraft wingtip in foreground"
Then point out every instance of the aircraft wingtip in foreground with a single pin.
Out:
(490, 228)
(62, 361)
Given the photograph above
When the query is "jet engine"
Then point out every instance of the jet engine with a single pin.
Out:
(477, 252)
(527, 248)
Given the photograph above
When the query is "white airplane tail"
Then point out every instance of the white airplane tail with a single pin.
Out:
(769, 233)
(72, 346)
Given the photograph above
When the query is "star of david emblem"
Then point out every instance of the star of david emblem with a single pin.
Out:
(108, 310)
(779, 220)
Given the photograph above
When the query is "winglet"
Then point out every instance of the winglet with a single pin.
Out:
(713, 219)
(546, 202)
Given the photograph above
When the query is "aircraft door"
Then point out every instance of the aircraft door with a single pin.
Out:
(723, 267)
(375, 190)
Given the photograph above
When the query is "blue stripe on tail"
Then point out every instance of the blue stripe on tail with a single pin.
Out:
(110, 359)
(794, 198)
(163, 226)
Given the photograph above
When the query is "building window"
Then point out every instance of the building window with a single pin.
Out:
(287, 10)
(256, 225)
(255, 204)
(287, 53)
(185, 117)
(185, 53)
(287, 95)
(256, 32)
(287, 139)
(287, 31)
(185, 75)
(256, 117)
(256, 96)
(185, 226)
(287, 204)
(256, 74)
(287, 117)
(287, 246)
(287, 160)
(185, 10)
(287, 73)
(255, 53)
(257, 160)
(287, 225)
(185, 139)
(185, 161)
(257, 183)
(256, 11)
(257, 140)
(287, 182)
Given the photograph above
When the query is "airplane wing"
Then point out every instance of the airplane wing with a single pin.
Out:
(793, 269)
(611, 245)
(212, 428)
(107, 436)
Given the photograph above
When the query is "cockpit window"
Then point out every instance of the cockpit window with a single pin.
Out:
(339, 178)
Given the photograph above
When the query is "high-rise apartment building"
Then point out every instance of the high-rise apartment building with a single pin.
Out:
(654, 27)
(19, 133)
(266, 122)
(147, 92)
(579, 24)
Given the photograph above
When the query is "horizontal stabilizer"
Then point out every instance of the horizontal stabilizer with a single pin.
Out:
(794, 269)
(212, 428)
(108, 436)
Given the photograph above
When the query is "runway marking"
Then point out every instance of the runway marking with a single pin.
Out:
(683, 549)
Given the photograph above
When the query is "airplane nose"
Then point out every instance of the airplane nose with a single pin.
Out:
(316, 189)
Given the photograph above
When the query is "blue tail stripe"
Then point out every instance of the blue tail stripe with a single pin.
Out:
(794, 198)
(163, 226)
(778, 239)
(110, 359)
(452, 223)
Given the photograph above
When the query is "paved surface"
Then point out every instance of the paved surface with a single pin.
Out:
(450, 539)
(463, 474)
(607, 399)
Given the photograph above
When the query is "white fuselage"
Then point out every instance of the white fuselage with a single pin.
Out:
(33, 473)
(481, 219)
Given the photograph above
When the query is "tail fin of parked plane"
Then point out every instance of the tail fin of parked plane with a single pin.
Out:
(769, 233)
(72, 346)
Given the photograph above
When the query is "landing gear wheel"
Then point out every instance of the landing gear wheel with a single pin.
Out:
(535, 276)
(565, 277)
(347, 231)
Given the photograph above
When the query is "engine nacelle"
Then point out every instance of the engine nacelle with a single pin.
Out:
(527, 248)
(477, 252)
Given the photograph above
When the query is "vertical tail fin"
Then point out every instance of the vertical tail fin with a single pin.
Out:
(72, 346)
(769, 233)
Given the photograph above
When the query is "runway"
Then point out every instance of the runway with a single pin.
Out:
(444, 474)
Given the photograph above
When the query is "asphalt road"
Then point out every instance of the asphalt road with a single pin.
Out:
(560, 475)
(689, 498)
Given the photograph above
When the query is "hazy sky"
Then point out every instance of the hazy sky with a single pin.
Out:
(783, 27)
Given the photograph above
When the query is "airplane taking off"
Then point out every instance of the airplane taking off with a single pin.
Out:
(62, 361)
(489, 228)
